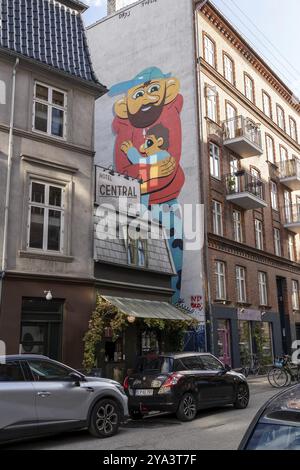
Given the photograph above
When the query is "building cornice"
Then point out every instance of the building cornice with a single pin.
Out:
(225, 85)
(48, 140)
(251, 254)
(231, 35)
(133, 287)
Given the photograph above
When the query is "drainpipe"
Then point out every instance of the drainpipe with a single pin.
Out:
(203, 190)
(8, 178)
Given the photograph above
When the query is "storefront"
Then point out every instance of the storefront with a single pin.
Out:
(243, 335)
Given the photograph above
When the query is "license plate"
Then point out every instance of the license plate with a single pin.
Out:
(143, 393)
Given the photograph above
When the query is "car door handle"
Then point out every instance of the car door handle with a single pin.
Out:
(43, 394)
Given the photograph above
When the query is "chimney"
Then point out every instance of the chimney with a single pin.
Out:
(111, 7)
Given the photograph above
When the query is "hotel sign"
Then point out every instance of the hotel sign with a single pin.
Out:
(116, 190)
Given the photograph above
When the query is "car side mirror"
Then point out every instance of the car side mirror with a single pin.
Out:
(227, 368)
(77, 378)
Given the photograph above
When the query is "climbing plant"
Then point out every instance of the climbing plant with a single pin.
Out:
(107, 315)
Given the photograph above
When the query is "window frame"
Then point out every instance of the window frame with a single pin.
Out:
(295, 295)
(50, 106)
(270, 139)
(248, 77)
(237, 223)
(217, 214)
(263, 288)
(214, 163)
(46, 207)
(220, 276)
(215, 94)
(291, 247)
(241, 284)
(274, 195)
(133, 244)
(211, 40)
(280, 108)
(227, 56)
(277, 241)
(292, 120)
(265, 94)
(259, 234)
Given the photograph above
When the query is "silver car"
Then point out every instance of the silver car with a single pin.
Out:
(42, 396)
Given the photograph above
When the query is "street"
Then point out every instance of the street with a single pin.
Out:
(218, 429)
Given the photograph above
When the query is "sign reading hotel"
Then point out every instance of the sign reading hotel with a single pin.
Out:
(116, 190)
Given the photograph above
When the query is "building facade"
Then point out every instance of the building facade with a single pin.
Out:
(46, 171)
(239, 156)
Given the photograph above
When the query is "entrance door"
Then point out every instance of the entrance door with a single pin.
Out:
(41, 327)
(224, 342)
(284, 316)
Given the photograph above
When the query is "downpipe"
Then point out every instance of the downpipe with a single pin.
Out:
(8, 180)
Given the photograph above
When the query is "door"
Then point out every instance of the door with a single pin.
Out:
(284, 317)
(222, 382)
(224, 342)
(17, 402)
(58, 399)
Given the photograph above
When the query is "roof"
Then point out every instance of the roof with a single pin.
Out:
(18, 357)
(148, 309)
(49, 32)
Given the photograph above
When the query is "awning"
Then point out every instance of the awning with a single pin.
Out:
(148, 308)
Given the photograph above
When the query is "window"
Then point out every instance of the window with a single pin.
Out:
(217, 218)
(270, 149)
(295, 295)
(283, 154)
(274, 195)
(46, 217)
(212, 104)
(277, 242)
(259, 239)
(211, 363)
(214, 155)
(137, 251)
(293, 129)
(228, 69)
(291, 247)
(220, 280)
(46, 371)
(241, 284)
(49, 112)
(231, 115)
(249, 88)
(280, 117)
(237, 226)
(267, 104)
(209, 51)
(262, 287)
(288, 207)
(11, 372)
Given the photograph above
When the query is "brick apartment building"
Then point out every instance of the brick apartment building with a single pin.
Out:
(244, 167)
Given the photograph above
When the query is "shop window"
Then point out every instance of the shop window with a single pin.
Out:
(150, 342)
(113, 349)
(245, 343)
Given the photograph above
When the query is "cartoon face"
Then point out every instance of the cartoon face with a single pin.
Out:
(152, 145)
(144, 104)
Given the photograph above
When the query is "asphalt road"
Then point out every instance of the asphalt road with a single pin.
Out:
(216, 429)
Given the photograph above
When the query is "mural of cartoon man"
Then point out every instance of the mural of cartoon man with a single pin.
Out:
(150, 110)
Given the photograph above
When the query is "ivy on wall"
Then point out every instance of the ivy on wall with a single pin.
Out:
(107, 315)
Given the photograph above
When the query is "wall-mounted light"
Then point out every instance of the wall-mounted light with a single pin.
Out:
(48, 294)
(131, 319)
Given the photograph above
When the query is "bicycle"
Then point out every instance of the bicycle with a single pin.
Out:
(256, 368)
(284, 372)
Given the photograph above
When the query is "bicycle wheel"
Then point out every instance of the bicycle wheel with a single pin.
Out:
(278, 377)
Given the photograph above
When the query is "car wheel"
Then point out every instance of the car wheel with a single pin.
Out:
(187, 408)
(105, 419)
(242, 397)
(135, 415)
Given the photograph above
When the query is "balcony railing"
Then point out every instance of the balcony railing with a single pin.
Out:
(242, 136)
(290, 173)
(245, 190)
(292, 217)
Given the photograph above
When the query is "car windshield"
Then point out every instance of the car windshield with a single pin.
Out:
(154, 364)
(274, 436)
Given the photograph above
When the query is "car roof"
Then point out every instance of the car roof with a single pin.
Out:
(179, 355)
(21, 357)
(284, 407)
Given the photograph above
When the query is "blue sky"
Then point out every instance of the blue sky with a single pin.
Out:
(260, 21)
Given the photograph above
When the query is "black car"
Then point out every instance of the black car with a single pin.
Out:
(183, 383)
(277, 424)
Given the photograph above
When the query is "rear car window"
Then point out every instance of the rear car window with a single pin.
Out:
(11, 372)
(159, 364)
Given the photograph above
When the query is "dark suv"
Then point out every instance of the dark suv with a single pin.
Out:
(183, 383)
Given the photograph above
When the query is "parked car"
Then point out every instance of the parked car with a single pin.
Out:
(277, 424)
(183, 383)
(42, 396)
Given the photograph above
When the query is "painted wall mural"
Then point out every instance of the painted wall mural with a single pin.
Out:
(148, 146)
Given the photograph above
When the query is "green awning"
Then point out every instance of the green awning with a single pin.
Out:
(148, 308)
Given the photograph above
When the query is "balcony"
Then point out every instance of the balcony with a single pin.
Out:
(245, 190)
(243, 137)
(292, 218)
(290, 173)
